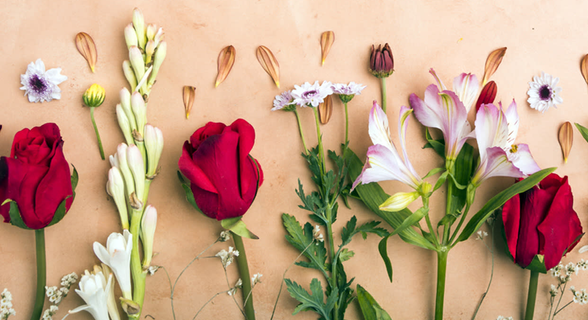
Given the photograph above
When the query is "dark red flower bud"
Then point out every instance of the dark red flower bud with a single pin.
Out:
(381, 61)
(487, 95)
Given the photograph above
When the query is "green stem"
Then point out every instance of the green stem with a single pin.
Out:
(320, 140)
(41, 274)
(245, 277)
(532, 295)
(300, 129)
(461, 221)
(97, 134)
(441, 272)
(383, 94)
(346, 125)
(137, 272)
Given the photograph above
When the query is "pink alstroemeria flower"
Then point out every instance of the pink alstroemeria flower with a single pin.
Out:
(446, 111)
(383, 161)
(496, 132)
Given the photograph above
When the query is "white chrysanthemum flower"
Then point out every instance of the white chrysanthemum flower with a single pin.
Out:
(40, 85)
(544, 93)
(284, 101)
(348, 89)
(311, 95)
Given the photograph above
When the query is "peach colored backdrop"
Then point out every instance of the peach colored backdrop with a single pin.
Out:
(451, 36)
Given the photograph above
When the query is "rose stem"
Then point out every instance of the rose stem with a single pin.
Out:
(384, 94)
(532, 295)
(244, 274)
(41, 274)
(300, 129)
(97, 134)
(441, 270)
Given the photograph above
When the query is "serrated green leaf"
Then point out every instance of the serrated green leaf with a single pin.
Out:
(370, 308)
(346, 255)
(350, 230)
(238, 227)
(302, 240)
(15, 218)
(372, 195)
(498, 200)
(583, 131)
(313, 301)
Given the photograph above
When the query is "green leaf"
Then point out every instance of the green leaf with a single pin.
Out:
(537, 264)
(350, 230)
(383, 249)
(59, 213)
(188, 191)
(437, 145)
(410, 221)
(302, 240)
(433, 172)
(237, 226)
(346, 255)
(497, 201)
(370, 308)
(441, 181)
(464, 167)
(583, 131)
(372, 195)
(74, 178)
(313, 301)
(15, 218)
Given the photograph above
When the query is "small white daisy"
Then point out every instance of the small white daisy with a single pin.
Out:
(40, 85)
(311, 95)
(544, 92)
(284, 101)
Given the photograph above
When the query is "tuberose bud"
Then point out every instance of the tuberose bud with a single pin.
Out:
(116, 189)
(148, 225)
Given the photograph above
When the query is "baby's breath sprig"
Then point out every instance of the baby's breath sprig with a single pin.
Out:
(563, 274)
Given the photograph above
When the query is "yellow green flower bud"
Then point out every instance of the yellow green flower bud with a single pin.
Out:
(148, 225)
(131, 36)
(129, 74)
(139, 25)
(158, 58)
(94, 96)
(399, 201)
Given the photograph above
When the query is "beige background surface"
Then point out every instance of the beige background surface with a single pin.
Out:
(450, 36)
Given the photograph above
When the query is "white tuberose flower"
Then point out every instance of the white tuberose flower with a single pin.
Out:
(94, 290)
(117, 255)
(40, 85)
(544, 93)
(311, 95)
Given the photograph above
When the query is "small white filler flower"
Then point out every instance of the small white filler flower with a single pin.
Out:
(544, 92)
(40, 85)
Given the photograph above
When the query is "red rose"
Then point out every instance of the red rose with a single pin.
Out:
(36, 176)
(223, 176)
(541, 221)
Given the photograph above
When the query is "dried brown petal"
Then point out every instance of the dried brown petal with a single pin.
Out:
(492, 62)
(325, 110)
(327, 39)
(584, 68)
(87, 49)
(189, 96)
(566, 139)
(226, 59)
(269, 63)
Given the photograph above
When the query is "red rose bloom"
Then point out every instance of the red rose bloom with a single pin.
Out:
(541, 221)
(36, 176)
(223, 176)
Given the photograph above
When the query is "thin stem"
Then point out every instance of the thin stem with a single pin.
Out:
(170, 288)
(383, 94)
(558, 311)
(300, 130)
(97, 134)
(532, 295)
(245, 277)
(41, 274)
(233, 296)
(560, 296)
(173, 289)
(491, 275)
(284, 277)
(320, 140)
(461, 221)
(207, 302)
(441, 272)
(346, 125)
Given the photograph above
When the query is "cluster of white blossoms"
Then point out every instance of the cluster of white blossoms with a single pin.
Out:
(225, 236)
(238, 285)
(227, 257)
(564, 273)
(503, 318)
(49, 313)
(256, 279)
(481, 235)
(6, 309)
(55, 294)
(317, 235)
(580, 296)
